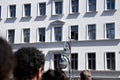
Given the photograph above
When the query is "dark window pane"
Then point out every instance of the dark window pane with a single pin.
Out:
(42, 34)
(74, 61)
(110, 4)
(42, 8)
(58, 33)
(0, 11)
(26, 33)
(74, 32)
(12, 10)
(27, 9)
(58, 7)
(92, 5)
(75, 5)
(11, 35)
(92, 31)
(91, 61)
(57, 58)
(110, 30)
(110, 60)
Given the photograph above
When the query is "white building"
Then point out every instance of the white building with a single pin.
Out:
(92, 25)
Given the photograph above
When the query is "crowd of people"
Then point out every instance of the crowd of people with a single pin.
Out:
(27, 63)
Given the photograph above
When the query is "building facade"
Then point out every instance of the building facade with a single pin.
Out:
(91, 26)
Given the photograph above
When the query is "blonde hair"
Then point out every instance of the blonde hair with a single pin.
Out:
(85, 74)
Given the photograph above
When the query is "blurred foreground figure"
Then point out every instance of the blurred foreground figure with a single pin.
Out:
(85, 75)
(30, 64)
(7, 60)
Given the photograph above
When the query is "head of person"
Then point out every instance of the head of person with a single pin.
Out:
(56, 74)
(60, 74)
(30, 64)
(7, 60)
(86, 75)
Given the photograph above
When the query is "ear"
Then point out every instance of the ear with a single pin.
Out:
(39, 74)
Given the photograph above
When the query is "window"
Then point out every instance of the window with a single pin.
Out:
(27, 10)
(75, 5)
(58, 33)
(110, 57)
(74, 61)
(42, 8)
(91, 61)
(12, 9)
(26, 35)
(11, 35)
(74, 32)
(110, 30)
(57, 59)
(92, 31)
(58, 7)
(92, 5)
(110, 4)
(42, 34)
(0, 12)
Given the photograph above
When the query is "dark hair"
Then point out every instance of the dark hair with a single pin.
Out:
(29, 61)
(57, 74)
(48, 75)
(7, 59)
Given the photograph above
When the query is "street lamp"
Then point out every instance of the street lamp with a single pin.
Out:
(66, 55)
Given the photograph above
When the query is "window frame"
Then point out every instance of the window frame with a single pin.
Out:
(59, 33)
(74, 32)
(43, 40)
(111, 63)
(87, 59)
(39, 9)
(54, 7)
(11, 39)
(106, 33)
(93, 31)
(74, 66)
(24, 10)
(24, 36)
(57, 60)
(58, 7)
(0, 12)
(76, 6)
(110, 9)
(88, 6)
(12, 12)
